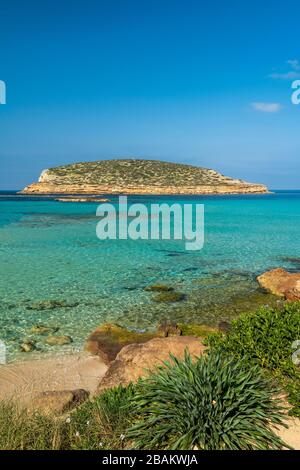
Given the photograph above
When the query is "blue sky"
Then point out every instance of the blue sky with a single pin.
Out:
(206, 83)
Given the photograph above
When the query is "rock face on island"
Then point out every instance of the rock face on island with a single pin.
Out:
(130, 176)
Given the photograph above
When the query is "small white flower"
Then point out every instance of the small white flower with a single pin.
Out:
(87, 423)
(68, 420)
(77, 434)
(100, 444)
(122, 437)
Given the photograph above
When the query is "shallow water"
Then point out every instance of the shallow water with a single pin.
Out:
(49, 251)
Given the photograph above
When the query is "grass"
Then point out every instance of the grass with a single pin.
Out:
(102, 423)
(21, 430)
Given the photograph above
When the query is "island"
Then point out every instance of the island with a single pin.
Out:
(137, 176)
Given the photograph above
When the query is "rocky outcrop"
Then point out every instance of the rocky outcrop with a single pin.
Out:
(282, 283)
(58, 402)
(108, 339)
(136, 176)
(82, 199)
(138, 360)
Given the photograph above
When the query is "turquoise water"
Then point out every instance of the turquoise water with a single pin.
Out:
(49, 251)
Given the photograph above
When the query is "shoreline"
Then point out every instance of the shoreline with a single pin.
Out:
(22, 380)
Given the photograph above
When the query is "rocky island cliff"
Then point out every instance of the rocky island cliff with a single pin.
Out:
(133, 176)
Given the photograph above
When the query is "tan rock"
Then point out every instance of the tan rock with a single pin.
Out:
(167, 329)
(137, 360)
(58, 402)
(28, 345)
(282, 283)
(108, 339)
(58, 340)
(43, 330)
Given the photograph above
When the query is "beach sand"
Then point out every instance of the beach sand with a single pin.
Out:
(22, 380)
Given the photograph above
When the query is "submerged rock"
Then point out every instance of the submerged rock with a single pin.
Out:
(58, 340)
(58, 402)
(82, 199)
(159, 288)
(281, 283)
(43, 330)
(108, 339)
(51, 304)
(137, 360)
(169, 297)
(28, 345)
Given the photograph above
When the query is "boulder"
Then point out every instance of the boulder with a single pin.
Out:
(58, 402)
(137, 360)
(108, 339)
(281, 283)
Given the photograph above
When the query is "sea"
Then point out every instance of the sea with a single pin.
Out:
(55, 272)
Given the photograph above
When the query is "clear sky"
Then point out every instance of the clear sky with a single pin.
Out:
(201, 82)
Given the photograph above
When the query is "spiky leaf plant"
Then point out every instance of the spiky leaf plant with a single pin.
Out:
(210, 403)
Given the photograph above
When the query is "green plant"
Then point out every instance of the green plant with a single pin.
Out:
(264, 337)
(103, 422)
(22, 430)
(212, 403)
(293, 391)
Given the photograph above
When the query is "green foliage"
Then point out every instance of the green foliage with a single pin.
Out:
(135, 172)
(21, 430)
(293, 390)
(102, 423)
(213, 403)
(264, 337)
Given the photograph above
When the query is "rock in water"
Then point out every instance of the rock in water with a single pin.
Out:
(58, 340)
(108, 339)
(167, 329)
(282, 283)
(43, 330)
(28, 345)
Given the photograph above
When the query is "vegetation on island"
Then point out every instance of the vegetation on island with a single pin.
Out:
(136, 172)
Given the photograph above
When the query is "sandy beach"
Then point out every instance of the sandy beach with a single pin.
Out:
(23, 380)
